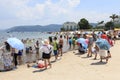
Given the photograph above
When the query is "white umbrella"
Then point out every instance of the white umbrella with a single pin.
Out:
(15, 43)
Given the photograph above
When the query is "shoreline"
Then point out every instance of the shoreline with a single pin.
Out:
(72, 66)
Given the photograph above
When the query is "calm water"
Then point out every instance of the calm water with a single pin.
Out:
(23, 35)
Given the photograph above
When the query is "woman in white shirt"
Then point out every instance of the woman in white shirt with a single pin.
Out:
(46, 50)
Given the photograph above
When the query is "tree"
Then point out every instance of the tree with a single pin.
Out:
(62, 29)
(100, 22)
(114, 16)
(109, 26)
(90, 26)
(83, 24)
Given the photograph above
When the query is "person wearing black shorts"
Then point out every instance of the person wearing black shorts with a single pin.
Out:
(46, 50)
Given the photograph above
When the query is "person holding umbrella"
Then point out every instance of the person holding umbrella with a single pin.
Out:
(103, 46)
(14, 53)
(6, 57)
(16, 45)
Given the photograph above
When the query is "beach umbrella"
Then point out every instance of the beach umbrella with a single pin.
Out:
(15, 43)
(83, 42)
(103, 44)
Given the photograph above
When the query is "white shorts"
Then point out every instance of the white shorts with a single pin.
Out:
(103, 53)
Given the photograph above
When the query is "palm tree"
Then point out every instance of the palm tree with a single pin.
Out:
(114, 16)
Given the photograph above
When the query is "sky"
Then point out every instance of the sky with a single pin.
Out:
(44, 12)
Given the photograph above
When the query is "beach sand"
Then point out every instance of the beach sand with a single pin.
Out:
(71, 66)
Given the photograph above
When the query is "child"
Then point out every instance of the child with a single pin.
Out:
(38, 64)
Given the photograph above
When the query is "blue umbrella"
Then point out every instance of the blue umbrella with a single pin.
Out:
(15, 43)
(103, 44)
(83, 42)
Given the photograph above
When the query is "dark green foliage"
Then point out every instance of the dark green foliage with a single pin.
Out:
(114, 16)
(109, 26)
(84, 24)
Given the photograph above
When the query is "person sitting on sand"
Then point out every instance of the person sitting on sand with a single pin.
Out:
(38, 64)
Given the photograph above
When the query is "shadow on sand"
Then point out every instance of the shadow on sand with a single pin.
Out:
(40, 70)
(59, 58)
(99, 63)
(79, 53)
(8, 70)
(85, 57)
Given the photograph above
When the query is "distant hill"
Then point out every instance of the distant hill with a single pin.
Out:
(93, 24)
(35, 28)
(39, 28)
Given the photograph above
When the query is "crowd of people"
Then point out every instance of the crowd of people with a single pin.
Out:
(11, 57)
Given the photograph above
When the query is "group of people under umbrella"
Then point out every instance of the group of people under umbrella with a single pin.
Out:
(101, 45)
(12, 47)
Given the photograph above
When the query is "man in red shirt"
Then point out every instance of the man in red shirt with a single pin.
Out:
(104, 36)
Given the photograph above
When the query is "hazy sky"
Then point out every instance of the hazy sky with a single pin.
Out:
(43, 12)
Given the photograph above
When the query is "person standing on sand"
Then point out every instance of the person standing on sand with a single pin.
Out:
(90, 45)
(60, 45)
(29, 55)
(46, 50)
(14, 53)
(108, 38)
(6, 59)
(20, 53)
(37, 49)
(114, 36)
(55, 48)
(73, 42)
(70, 42)
(50, 40)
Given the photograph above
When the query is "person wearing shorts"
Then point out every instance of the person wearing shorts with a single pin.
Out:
(60, 45)
(46, 50)
(55, 48)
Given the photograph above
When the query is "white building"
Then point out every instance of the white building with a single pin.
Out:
(70, 26)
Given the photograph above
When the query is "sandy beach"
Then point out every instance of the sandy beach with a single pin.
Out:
(71, 66)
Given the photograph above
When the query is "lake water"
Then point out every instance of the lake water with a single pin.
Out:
(23, 35)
